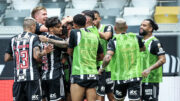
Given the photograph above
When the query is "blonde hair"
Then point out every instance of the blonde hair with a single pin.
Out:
(120, 24)
(36, 9)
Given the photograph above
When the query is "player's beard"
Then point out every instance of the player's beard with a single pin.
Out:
(143, 33)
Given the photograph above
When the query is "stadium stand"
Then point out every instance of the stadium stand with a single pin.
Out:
(15, 17)
(84, 4)
(27, 4)
(135, 15)
(54, 12)
(144, 3)
(166, 14)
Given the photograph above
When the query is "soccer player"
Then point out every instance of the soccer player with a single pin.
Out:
(89, 22)
(153, 59)
(40, 15)
(86, 50)
(24, 50)
(123, 53)
(105, 84)
(54, 86)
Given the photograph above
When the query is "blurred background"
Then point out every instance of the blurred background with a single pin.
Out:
(165, 12)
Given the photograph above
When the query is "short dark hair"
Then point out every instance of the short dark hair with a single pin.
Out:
(95, 11)
(52, 21)
(79, 19)
(85, 11)
(89, 13)
(153, 24)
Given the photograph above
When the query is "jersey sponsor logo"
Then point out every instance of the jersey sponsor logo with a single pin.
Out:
(35, 97)
(21, 46)
(148, 92)
(53, 96)
(133, 92)
(119, 93)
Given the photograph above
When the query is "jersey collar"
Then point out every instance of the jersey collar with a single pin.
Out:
(148, 38)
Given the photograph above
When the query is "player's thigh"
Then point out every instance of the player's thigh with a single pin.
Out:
(91, 94)
(110, 96)
(77, 92)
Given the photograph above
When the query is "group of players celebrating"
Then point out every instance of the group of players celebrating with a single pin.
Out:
(78, 59)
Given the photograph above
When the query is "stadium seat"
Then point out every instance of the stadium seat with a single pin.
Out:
(108, 12)
(84, 4)
(135, 15)
(24, 4)
(54, 12)
(166, 14)
(15, 17)
(54, 3)
(144, 3)
(72, 11)
(114, 3)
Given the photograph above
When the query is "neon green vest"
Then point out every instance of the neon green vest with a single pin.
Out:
(94, 30)
(125, 63)
(149, 59)
(104, 46)
(84, 55)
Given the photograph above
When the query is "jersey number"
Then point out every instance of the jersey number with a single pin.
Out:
(22, 61)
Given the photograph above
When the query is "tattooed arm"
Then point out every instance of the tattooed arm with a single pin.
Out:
(61, 44)
(106, 60)
(58, 43)
(37, 54)
(160, 62)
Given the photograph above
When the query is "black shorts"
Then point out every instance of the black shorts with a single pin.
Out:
(27, 91)
(84, 81)
(150, 91)
(105, 84)
(54, 89)
(133, 89)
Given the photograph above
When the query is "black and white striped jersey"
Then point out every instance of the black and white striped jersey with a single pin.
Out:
(55, 69)
(21, 49)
